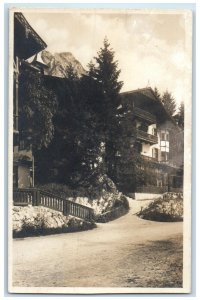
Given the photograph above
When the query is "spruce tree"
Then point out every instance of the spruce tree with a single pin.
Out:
(179, 117)
(157, 94)
(169, 103)
(105, 73)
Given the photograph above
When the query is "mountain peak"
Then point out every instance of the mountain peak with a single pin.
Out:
(58, 62)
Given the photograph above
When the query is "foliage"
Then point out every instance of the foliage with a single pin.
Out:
(70, 72)
(86, 125)
(179, 117)
(37, 108)
(105, 74)
(157, 94)
(74, 153)
(93, 190)
(169, 103)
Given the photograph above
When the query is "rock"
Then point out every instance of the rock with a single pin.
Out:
(58, 63)
(37, 220)
(16, 208)
(169, 208)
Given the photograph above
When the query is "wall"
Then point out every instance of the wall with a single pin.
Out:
(144, 196)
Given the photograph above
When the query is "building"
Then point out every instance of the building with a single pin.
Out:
(150, 156)
(150, 147)
(27, 44)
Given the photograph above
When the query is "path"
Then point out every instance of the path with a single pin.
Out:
(119, 253)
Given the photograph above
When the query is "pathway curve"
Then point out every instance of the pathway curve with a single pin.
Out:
(115, 254)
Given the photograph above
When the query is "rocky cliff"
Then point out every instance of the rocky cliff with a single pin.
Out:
(58, 62)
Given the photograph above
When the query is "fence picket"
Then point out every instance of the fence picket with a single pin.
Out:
(38, 197)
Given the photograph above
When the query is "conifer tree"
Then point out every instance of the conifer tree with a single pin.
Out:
(179, 117)
(105, 73)
(169, 103)
(157, 94)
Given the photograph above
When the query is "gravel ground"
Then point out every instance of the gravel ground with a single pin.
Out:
(127, 252)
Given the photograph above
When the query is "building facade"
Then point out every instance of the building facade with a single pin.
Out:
(27, 44)
(150, 156)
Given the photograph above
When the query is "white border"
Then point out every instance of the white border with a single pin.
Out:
(196, 145)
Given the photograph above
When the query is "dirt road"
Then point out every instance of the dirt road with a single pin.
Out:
(127, 252)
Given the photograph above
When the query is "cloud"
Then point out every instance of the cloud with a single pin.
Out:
(151, 48)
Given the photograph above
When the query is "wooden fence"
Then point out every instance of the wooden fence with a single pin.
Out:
(38, 197)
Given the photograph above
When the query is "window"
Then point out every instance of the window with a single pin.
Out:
(155, 153)
(165, 136)
(162, 136)
(154, 131)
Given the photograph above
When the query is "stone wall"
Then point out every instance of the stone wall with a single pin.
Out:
(112, 214)
(144, 196)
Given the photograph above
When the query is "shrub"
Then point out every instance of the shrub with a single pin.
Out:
(163, 210)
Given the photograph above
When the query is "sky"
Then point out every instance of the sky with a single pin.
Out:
(152, 49)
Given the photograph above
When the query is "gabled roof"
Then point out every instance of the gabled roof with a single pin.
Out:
(26, 41)
(145, 91)
(149, 93)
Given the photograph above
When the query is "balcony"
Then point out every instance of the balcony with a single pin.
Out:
(149, 158)
(138, 112)
(146, 137)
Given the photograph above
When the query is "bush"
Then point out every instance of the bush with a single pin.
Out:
(163, 210)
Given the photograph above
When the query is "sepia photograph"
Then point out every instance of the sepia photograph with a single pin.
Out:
(100, 105)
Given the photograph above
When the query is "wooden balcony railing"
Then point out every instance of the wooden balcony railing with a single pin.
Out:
(142, 135)
(144, 115)
(36, 197)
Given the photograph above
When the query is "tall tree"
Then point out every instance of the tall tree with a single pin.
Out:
(157, 94)
(169, 103)
(105, 73)
(73, 155)
(179, 117)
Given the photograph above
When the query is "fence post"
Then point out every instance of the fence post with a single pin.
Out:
(36, 197)
(65, 208)
(91, 215)
(34, 201)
